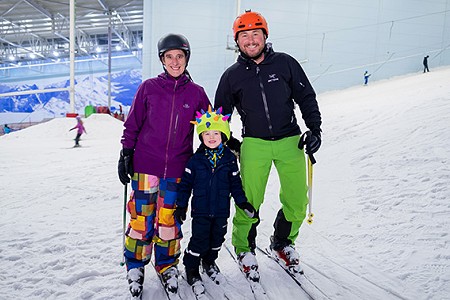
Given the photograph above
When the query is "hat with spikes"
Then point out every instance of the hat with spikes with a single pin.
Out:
(212, 120)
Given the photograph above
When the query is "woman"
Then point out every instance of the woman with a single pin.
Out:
(157, 142)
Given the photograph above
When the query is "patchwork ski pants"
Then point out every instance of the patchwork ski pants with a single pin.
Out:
(257, 156)
(152, 224)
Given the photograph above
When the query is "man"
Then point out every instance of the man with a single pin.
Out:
(264, 87)
(425, 64)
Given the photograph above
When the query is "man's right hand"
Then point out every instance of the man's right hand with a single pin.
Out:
(125, 167)
(234, 144)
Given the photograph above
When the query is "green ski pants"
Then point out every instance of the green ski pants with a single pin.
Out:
(256, 160)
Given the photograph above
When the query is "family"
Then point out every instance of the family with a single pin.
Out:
(166, 175)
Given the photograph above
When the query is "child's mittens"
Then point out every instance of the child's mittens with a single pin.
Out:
(180, 214)
(247, 208)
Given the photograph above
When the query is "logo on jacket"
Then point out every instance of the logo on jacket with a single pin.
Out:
(272, 78)
(186, 105)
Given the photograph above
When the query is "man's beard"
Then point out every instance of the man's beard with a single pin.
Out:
(255, 57)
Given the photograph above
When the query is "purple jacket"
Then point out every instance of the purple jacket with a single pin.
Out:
(79, 127)
(158, 126)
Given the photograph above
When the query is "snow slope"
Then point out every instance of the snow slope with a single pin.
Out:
(380, 199)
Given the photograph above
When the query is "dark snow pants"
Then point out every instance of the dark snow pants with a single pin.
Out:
(208, 235)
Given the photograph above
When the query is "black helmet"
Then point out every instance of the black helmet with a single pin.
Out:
(174, 41)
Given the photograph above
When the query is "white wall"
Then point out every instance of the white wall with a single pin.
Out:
(337, 40)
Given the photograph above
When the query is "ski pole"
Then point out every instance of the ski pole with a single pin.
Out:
(125, 193)
(311, 161)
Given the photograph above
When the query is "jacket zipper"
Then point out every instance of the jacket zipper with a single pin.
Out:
(176, 126)
(213, 172)
(266, 107)
(170, 130)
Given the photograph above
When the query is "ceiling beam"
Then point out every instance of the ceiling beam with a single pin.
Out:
(39, 8)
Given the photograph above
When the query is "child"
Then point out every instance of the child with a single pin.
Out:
(212, 175)
(80, 129)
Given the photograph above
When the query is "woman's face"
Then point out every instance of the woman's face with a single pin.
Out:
(174, 62)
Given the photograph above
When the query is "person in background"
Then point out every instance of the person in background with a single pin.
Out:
(425, 64)
(264, 86)
(80, 130)
(157, 142)
(366, 77)
(6, 129)
(212, 178)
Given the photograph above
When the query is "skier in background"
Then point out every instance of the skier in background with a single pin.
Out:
(80, 129)
(211, 176)
(366, 77)
(157, 142)
(425, 64)
(264, 86)
(6, 129)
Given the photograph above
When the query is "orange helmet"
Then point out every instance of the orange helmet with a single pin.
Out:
(249, 20)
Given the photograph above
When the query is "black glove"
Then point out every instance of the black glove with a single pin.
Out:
(312, 140)
(247, 208)
(180, 214)
(125, 167)
(234, 144)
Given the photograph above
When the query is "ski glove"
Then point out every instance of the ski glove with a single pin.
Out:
(180, 214)
(311, 141)
(247, 208)
(234, 144)
(125, 167)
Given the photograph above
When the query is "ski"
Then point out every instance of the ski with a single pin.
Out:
(258, 290)
(220, 284)
(299, 277)
(198, 288)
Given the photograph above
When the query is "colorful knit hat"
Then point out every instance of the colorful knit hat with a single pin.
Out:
(212, 120)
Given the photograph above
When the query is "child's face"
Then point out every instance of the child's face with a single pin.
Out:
(212, 138)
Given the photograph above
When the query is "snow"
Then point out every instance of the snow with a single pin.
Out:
(380, 199)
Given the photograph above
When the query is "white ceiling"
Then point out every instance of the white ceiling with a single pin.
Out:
(39, 26)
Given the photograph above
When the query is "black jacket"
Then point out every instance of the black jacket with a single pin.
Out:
(265, 94)
(211, 188)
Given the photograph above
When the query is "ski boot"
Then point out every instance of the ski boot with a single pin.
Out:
(213, 271)
(288, 255)
(249, 265)
(195, 281)
(170, 280)
(135, 279)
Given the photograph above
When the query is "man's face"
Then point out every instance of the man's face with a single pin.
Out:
(251, 42)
